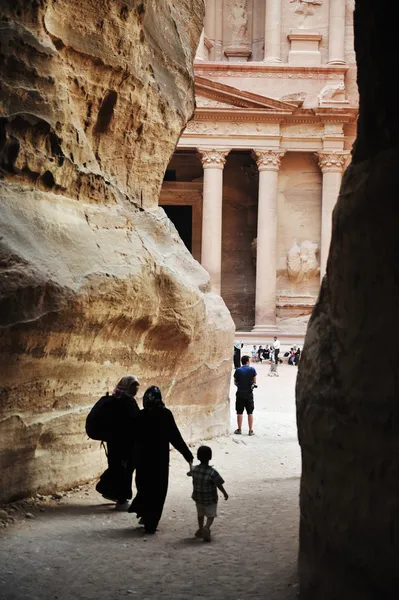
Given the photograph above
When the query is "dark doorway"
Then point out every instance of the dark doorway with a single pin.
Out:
(182, 219)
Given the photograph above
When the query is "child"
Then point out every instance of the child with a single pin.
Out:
(206, 480)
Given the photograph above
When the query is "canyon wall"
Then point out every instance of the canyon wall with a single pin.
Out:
(95, 282)
(348, 380)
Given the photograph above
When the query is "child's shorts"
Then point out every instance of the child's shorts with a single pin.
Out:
(207, 510)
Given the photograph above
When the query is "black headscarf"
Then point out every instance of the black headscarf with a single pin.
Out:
(152, 398)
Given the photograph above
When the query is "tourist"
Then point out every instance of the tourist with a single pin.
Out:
(297, 357)
(260, 354)
(156, 429)
(122, 410)
(237, 354)
(206, 482)
(276, 349)
(245, 380)
(291, 359)
(266, 352)
(254, 353)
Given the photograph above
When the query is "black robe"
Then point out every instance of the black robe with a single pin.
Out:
(155, 430)
(237, 357)
(116, 482)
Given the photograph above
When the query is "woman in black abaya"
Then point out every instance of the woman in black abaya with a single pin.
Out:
(116, 482)
(155, 430)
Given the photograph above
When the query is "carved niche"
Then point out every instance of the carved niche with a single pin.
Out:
(237, 29)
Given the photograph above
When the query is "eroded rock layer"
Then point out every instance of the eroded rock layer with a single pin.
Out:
(95, 282)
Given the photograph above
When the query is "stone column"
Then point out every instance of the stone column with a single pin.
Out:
(332, 165)
(213, 161)
(336, 33)
(273, 31)
(268, 162)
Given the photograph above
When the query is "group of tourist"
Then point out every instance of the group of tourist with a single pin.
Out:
(139, 440)
(293, 356)
(245, 376)
(269, 352)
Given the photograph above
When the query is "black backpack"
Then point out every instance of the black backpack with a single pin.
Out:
(100, 420)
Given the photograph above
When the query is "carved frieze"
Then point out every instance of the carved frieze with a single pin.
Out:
(268, 159)
(212, 157)
(226, 128)
(309, 130)
(263, 71)
(202, 127)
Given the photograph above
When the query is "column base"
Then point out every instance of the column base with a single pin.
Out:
(272, 60)
(266, 329)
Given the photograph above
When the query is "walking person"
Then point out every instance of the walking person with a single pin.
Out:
(237, 354)
(276, 347)
(206, 482)
(297, 357)
(156, 429)
(260, 355)
(245, 380)
(114, 418)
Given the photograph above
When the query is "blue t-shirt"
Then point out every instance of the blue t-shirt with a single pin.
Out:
(244, 377)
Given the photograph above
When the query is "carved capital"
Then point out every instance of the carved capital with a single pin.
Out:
(333, 162)
(213, 158)
(269, 159)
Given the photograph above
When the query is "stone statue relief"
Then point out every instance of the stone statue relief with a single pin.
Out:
(306, 7)
(331, 91)
(302, 263)
(238, 19)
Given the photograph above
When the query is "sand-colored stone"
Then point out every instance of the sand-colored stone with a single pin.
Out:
(95, 281)
(279, 76)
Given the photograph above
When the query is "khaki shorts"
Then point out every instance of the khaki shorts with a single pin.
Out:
(207, 510)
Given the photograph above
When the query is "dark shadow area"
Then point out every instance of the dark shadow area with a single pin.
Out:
(182, 218)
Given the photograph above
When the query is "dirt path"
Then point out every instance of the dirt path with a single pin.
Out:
(80, 548)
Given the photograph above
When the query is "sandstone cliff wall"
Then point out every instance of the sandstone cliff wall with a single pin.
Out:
(348, 381)
(95, 282)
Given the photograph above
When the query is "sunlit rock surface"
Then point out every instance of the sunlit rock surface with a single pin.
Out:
(95, 282)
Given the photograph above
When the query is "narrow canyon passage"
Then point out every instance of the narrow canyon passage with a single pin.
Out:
(80, 548)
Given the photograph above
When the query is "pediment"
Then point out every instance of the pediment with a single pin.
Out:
(211, 94)
(204, 102)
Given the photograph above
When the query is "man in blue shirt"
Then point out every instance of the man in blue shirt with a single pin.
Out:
(245, 379)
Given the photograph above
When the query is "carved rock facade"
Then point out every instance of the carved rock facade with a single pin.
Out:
(95, 281)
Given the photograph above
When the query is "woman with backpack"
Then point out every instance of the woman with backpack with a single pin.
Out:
(112, 420)
(155, 430)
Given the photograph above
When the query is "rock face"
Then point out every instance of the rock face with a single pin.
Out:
(348, 383)
(95, 282)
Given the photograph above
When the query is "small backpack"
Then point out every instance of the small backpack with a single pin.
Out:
(100, 420)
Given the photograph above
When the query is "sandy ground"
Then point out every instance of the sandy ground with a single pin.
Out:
(80, 548)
